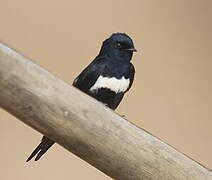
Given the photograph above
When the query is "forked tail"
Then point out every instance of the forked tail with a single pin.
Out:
(44, 145)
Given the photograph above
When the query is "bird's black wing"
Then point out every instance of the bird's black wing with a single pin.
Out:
(119, 96)
(131, 75)
(89, 75)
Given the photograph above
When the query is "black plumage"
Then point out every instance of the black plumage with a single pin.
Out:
(107, 78)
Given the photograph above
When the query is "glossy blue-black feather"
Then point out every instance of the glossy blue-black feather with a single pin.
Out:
(113, 61)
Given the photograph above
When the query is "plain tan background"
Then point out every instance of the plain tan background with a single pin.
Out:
(171, 96)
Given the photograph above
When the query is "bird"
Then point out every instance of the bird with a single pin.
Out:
(107, 78)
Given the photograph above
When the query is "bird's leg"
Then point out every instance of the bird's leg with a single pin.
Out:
(123, 116)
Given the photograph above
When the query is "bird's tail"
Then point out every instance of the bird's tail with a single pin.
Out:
(44, 145)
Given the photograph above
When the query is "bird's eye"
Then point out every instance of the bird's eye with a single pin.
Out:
(118, 45)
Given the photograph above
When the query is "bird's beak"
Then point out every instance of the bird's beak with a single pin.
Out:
(132, 49)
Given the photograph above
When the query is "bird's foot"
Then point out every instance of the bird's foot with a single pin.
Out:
(123, 116)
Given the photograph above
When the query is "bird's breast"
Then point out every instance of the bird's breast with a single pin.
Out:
(112, 83)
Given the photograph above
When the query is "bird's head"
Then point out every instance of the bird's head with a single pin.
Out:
(118, 46)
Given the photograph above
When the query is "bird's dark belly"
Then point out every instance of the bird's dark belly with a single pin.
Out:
(107, 97)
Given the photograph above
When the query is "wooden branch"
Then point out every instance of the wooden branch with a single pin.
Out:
(86, 127)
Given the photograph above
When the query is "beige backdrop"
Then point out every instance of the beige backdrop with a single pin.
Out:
(171, 96)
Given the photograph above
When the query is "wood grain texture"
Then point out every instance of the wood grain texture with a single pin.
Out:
(86, 127)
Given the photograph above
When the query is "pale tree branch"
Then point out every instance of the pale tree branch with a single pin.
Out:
(87, 128)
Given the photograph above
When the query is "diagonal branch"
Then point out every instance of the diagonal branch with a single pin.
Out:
(87, 128)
